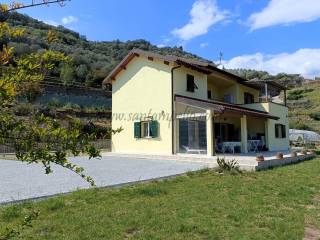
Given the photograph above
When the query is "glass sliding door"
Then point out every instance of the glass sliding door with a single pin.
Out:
(192, 136)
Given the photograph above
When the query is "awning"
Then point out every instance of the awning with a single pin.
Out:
(193, 102)
(222, 108)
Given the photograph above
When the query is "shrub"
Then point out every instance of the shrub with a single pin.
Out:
(55, 103)
(315, 116)
(298, 94)
(100, 132)
(227, 166)
(24, 109)
(71, 106)
(299, 125)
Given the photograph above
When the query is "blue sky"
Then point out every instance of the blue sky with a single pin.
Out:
(273, 35)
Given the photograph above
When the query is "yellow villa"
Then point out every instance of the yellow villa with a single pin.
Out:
(171, 105)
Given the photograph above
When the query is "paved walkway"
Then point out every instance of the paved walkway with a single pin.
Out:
(19, 181)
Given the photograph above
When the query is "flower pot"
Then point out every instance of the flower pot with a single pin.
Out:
(293, 154)
(280, 156)
(313, 151)
(304, 152)
(259, 158)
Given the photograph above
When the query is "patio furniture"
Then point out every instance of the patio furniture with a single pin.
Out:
(231, 146)
(194, 150)
(218, 146)
(253, 145)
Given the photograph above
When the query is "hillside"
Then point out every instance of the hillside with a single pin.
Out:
(304, 104)
(94, 60)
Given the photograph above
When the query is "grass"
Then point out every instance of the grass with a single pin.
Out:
(274, 204)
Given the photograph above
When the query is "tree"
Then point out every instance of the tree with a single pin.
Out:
(36, 138)
(67, 75)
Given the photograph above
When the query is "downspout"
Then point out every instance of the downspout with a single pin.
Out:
(173, 108)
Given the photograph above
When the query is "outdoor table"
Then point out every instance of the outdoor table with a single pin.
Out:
(230, 145)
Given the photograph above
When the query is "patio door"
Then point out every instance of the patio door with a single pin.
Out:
(192, 136)
(224, 132)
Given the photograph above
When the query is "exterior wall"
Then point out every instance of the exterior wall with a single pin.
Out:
(277, 144)
(243, 89)
(180, 83)
(143, 89)
(273, 143)
(256, 125)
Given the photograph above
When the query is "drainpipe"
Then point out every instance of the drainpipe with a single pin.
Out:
(173, 108)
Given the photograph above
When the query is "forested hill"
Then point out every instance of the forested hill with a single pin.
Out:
(94, 60)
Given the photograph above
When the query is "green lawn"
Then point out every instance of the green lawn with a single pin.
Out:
(273, 204)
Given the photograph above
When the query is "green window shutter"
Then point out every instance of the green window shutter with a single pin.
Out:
(154, 129)
(137, 130)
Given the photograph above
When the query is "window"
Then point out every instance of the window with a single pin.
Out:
(191, 86)
(280, 131)
(248, 98)
(228, 98)
(209, 94)
(146, 129)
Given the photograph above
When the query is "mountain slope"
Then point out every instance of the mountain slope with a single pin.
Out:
(304, 104)
(94, 60)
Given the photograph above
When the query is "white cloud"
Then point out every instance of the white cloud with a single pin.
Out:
(285, 12)
(204, 14)
(203, 45)
(51, 22)
(304, 61)
(161, 45)
(69, 19)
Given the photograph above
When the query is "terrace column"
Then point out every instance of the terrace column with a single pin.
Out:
(244, 134)
(210, 134)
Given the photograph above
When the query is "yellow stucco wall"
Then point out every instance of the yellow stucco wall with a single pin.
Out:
(143, 89)
(277, 144)
(274, 144)
(243, 89)
(180, 83)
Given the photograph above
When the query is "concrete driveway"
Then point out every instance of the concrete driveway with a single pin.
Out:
(19, 181)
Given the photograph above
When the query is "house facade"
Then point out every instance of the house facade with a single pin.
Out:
(170, 105)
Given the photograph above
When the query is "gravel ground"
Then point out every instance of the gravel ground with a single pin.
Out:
(19, 181)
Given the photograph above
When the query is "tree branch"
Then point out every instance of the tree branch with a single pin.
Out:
(33, 4)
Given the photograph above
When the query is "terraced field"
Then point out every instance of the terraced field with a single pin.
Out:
(304, 105)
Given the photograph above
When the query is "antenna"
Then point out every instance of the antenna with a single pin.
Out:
(220, 57)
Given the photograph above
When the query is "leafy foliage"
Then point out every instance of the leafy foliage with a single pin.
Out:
(36, 138)
(289, 80)
(17, 230)
(300, 125)
(92, 61)
(228, 166)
